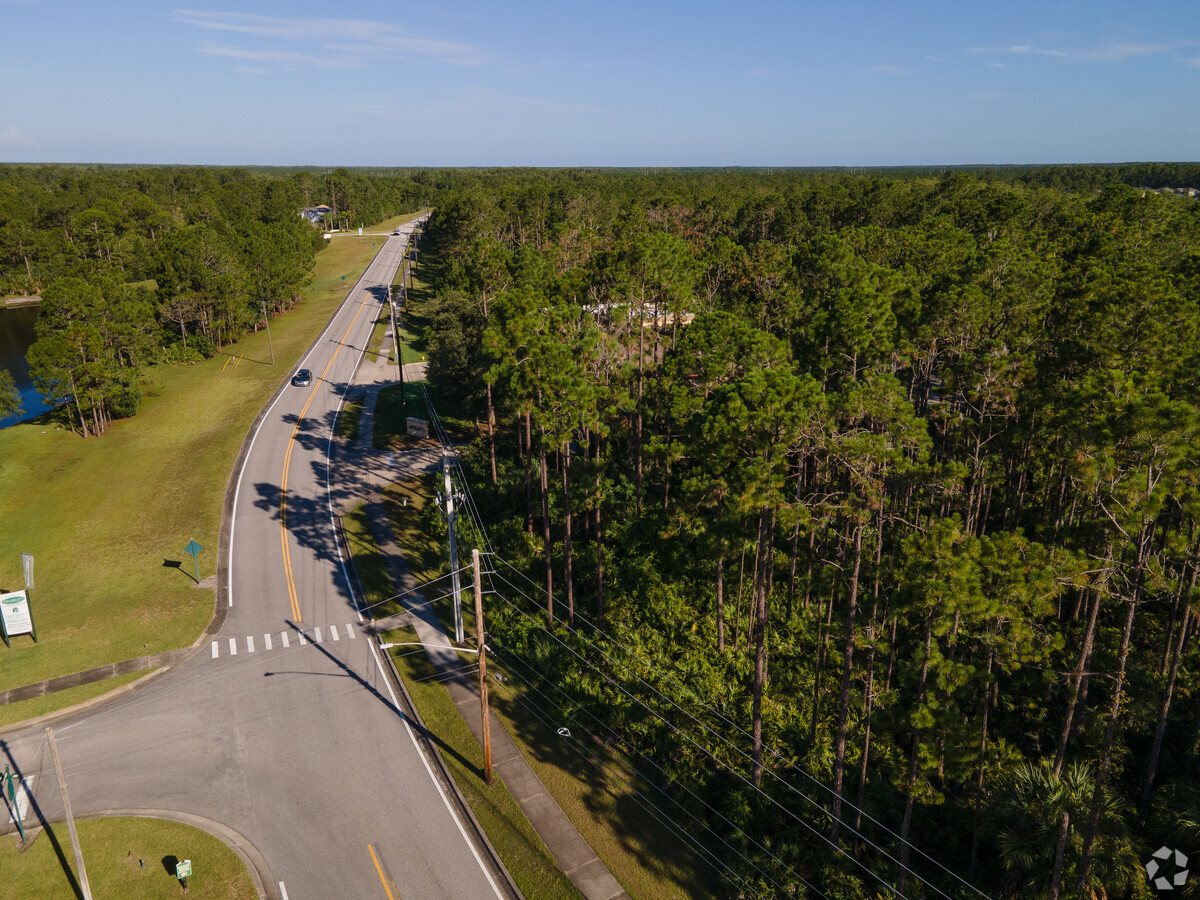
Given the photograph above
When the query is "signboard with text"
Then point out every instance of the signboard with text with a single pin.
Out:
(14, 614)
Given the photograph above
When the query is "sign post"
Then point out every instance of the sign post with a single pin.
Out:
(194, 549)
(15, 616)
(27, 569)
(11, 793)
(183, 869)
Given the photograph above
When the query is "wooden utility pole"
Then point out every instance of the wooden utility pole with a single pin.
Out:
(488, 779)
(62, 786)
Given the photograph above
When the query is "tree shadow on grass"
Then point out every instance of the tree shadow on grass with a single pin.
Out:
(618, 791)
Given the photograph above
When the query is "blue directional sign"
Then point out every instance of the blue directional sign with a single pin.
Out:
(194, 549)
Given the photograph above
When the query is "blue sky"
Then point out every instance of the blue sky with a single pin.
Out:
(576, 82)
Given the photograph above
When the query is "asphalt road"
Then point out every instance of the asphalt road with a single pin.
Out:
(284, 730)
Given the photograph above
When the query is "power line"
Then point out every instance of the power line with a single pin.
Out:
(540, 713)
(716, 714)
(476, 519)
(739, 776)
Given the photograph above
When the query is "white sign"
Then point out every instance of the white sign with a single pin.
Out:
(418, 427)
(14, 610)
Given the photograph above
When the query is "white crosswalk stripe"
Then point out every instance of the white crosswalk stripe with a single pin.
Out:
(315, 636)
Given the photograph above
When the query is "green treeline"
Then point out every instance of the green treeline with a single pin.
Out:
(887, 483)
(143, 265)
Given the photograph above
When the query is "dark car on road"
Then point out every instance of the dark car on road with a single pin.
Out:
(303, 378)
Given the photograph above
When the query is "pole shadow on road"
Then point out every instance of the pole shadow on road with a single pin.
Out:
(412, 723)
(76, 890)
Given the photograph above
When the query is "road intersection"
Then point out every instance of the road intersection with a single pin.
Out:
(282, 731)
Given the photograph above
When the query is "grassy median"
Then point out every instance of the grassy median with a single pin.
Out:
(107, 518)
(124, 857)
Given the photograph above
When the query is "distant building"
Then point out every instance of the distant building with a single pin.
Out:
(315, 214)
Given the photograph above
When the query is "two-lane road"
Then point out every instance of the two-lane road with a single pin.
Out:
(284, 729)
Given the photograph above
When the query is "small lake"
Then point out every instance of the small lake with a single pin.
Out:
(16, 337)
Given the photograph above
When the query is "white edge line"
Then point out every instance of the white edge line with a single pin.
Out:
(283, 891)
(471, 844)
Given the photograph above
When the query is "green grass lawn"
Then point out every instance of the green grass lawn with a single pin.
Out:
(107, 518)
(124, 857)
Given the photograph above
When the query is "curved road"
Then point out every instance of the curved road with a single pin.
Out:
(284, 729)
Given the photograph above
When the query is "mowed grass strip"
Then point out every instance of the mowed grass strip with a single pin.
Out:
(124, 857)
(21, 710)
(107, 518)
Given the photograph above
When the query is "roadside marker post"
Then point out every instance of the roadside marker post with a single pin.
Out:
(11, 793)
(194, 549)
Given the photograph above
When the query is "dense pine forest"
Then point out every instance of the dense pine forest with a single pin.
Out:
(137, 266)
(856, 512)
(860, 514)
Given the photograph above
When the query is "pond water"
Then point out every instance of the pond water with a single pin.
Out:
(16, 336)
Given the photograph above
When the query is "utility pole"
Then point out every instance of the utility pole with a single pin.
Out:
(456, 586)
(267, 319)
(488, 779)
(62, 786)
(399, 350)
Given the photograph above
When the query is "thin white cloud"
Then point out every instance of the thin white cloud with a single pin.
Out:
(1019, 49)
(345, 37)
(12, 136)
(890, 70)
(250, 70)
(1121, 51)
(995, 65)
(1113, 50)
(1194, 62)
(280, 57)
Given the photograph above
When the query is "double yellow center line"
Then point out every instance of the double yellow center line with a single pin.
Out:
(287, 461)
